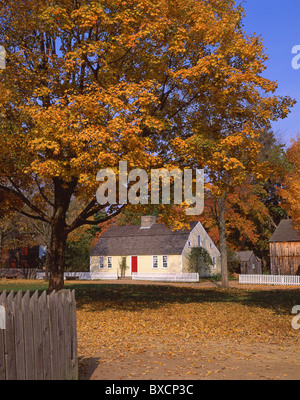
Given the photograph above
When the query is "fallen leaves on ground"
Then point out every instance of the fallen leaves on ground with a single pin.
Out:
(143, 318)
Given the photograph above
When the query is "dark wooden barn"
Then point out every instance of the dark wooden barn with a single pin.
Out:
(285, 249)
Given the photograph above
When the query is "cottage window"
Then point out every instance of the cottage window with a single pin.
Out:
(109, 262)
(165, 261)
(154, 261)
(199, 240)
(189, 243)
(210, 245)
(214, 262)
(101, 262)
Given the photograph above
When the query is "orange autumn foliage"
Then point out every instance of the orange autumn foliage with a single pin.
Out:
(291, 191)
(90, 83)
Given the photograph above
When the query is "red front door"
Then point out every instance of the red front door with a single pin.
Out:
(134, 264)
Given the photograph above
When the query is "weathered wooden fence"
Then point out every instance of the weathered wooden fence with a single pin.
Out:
(286, 280)
(39, 341)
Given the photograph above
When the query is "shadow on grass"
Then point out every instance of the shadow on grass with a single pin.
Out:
(134, 297)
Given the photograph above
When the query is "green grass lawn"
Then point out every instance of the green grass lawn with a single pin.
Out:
(278, 299)
(24, 285)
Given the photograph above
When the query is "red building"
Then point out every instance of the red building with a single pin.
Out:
(23, 257)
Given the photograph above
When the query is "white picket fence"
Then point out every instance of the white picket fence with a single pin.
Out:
(192, 277)
(91, 276)
(85, 276)
(286, 280)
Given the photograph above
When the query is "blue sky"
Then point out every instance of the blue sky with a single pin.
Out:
(278, 23)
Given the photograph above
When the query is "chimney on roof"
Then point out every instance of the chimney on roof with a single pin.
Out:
(147, 221)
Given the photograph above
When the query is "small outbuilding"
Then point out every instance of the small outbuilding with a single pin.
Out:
(249, 263)
(285, 249)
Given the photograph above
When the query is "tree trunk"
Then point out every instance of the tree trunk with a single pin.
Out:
(18, 257)
(1, 244)
(56, 256)
(222, 237)
(47, 269)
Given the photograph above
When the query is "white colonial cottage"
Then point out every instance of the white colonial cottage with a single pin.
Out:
(150, 248)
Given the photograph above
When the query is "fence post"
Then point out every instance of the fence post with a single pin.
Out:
(9, 339)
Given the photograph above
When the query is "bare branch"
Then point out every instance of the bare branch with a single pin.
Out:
(17, 192)
(42, 192)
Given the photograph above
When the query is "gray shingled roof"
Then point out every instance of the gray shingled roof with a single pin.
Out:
(244, 255)
(134, 240)
(285, 232)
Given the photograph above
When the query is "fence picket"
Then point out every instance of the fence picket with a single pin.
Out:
(73, 334)
(19, 336)
(67, 325)
(2, 356)
(45, 328)
(11, 372)
(2, 342)
(37, 337)
(28, 337)
(53, 336)
(61, 334)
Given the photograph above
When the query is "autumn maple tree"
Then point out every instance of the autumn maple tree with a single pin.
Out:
(290, 192)
(70, 105)
(225, 131)
(253, 209)
(89, 83)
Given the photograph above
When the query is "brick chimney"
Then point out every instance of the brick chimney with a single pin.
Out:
(147, 221)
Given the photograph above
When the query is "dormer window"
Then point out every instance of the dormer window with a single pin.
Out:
(214, 262)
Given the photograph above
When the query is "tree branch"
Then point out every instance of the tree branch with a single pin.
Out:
(35, 217)
(42, 193)
(17, 192)
(90, 210)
